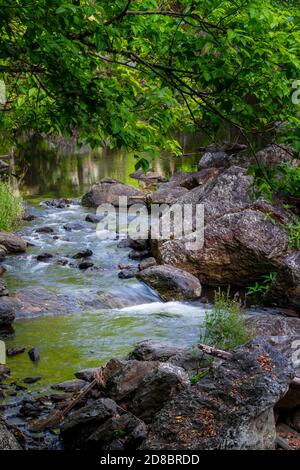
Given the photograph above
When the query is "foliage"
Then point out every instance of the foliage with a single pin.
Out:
(294, 234)
(260, 288)
(11, 208)
(127, 73)
(200, 375)
(224, 325)
(283, 179)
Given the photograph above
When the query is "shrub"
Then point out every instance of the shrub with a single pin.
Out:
(11, 208)
(224, 325)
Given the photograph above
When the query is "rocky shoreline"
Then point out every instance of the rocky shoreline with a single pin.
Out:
(149, 400)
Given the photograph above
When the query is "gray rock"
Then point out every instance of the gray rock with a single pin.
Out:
(44, 257)
(147, 263)
(11, 243)
(7, 314)
(83, 254)
(44, 230)
(93, 218)
(87, 374)
(192, 360)
(232, 408)
(76, 226)
(128, 273)
(4, 372)
(7, 438)
(238, 249)
(61, 203)
(3, 289)
(158, 387)
(127, 429)
(171, 283)
(214, 160)
(137, 254)
(272, 323)
(30, 301)
(122, 378)
(154, 350)
(109, 191)
(82, 423)
(73, 385)
(166, 196)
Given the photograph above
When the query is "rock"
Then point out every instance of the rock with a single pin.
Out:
(7, 438)
(15, 351)
(73, 385)
(138, 245)
(295, 419)
(74, 226)
(128, 273)
(285, 290)
(154, 350)
(171, 283)
(4, 372)
(166, 196)
(44, 230)
(7, 315)
(11, 243)
(44, 257)
(214, 160)
(3, 289)
(32, 380)
(274, 155)
(85, 265)
(61, 203)
(87, 374)
(28, 217)
(82, 423)
(122, 378)
(238, 249)
(232, 408)
(158, 387)
(93, 218)
(192, 360)
(147, 263)
(150, 176)
(30, 301)
(83, 254)
(126, 429)
(272, 323)
(108, 191)
(34, 354)
(136, 255)
(190, 180)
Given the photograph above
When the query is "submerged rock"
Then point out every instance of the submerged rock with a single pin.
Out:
(44, 230)
(44, 257)
(232, 408)
(108, 191)
(171, 283)
(83, 254)
(4, 372)
(34, 354)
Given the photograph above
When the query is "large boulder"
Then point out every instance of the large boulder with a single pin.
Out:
(232, 408)
(272, 323)
(11, 243)
(238, 249)
(171, 283)
(215, 160)
(154, 350)
(7, 438)
(158, 387)
(36, 301)
(285, 290)
(108, 191)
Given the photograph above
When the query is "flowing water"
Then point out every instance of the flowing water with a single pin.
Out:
(85, 336)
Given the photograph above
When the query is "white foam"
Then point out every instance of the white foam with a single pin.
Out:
(172, 308)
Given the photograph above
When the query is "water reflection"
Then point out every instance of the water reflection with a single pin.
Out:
(61, 170)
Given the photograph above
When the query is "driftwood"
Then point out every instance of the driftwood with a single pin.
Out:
(56, 417)
(227, 355)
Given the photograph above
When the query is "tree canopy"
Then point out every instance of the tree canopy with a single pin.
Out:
(129, 72)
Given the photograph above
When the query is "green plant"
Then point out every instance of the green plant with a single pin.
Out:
(200, 375)
(11, 207)
(294, 234)
(119, 433)
(260, 288)
(225, 325)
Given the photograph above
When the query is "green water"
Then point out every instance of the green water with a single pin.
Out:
(85, 338)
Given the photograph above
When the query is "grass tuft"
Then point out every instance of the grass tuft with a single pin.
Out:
(11, 208)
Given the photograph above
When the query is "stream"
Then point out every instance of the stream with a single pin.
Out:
(84, 337)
